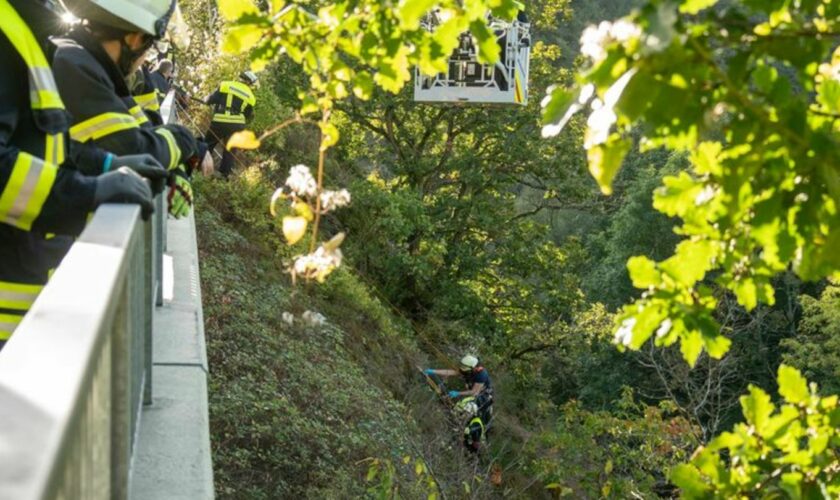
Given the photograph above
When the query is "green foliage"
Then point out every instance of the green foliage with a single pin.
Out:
(385, 482)
(816, 347)
(785, 452)
(293, 408)
(613, 455)
(763, 191)
(634, 229)
(357, 44)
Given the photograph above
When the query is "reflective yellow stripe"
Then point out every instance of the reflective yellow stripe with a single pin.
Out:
(54, 148)
(226, 118)
(148, 101)
(27, 190)
(18, 296)
(102, 125)
(139, 115)
(241, 90)
(8, 325)
(174, 151)
(229, 101)
(474, 420)
(43, 90)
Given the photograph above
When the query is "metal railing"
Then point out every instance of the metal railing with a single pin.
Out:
(78, 370)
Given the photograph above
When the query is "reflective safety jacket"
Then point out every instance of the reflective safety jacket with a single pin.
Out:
(36, 196)
(149, 99)
(102, 109)
(474, 433)
(233, 103)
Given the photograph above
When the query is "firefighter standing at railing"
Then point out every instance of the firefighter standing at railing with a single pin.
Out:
(91, 65)
(41, 190)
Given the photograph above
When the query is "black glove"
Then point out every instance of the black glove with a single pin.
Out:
(124, 186)
(145, 165)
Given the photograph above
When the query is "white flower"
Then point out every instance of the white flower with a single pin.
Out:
(623, 31)
(664, 328)
(301, 182)
(330, 200)
(313, 318)
(288, 318)
(317, 265)
(595, 40)
(624, 334)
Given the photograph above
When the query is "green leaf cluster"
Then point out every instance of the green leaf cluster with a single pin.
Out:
(749, 91)
(348, 47)
(785, 451)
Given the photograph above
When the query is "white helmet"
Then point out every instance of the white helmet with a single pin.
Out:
(147, 16)
(469, 361)
(248, 77)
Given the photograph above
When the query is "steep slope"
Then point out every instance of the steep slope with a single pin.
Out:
(294, 408)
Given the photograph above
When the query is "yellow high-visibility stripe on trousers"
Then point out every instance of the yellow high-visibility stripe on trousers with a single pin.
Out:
(15, 300)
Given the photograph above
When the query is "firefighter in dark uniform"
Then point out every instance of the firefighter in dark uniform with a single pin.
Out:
(91, 65)
(41, 190)
(477, 384)
(145, 96)
(233, 105)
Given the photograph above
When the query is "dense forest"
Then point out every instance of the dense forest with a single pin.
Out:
(469, 232)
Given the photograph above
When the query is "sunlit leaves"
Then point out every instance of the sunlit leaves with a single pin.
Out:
(690, 262)
(750, 94)
(341, 37)
(792, 449)
(643, 272)
(695, 6)
(232, 10)
(411, 11)
(488, 46)
(329, 135)
(244, 139)
(605, 160)
(792, 385)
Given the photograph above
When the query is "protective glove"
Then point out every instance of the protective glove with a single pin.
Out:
(429, 371)
(124, 185)
(180, 195)
(454, 394)
(145, 165)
